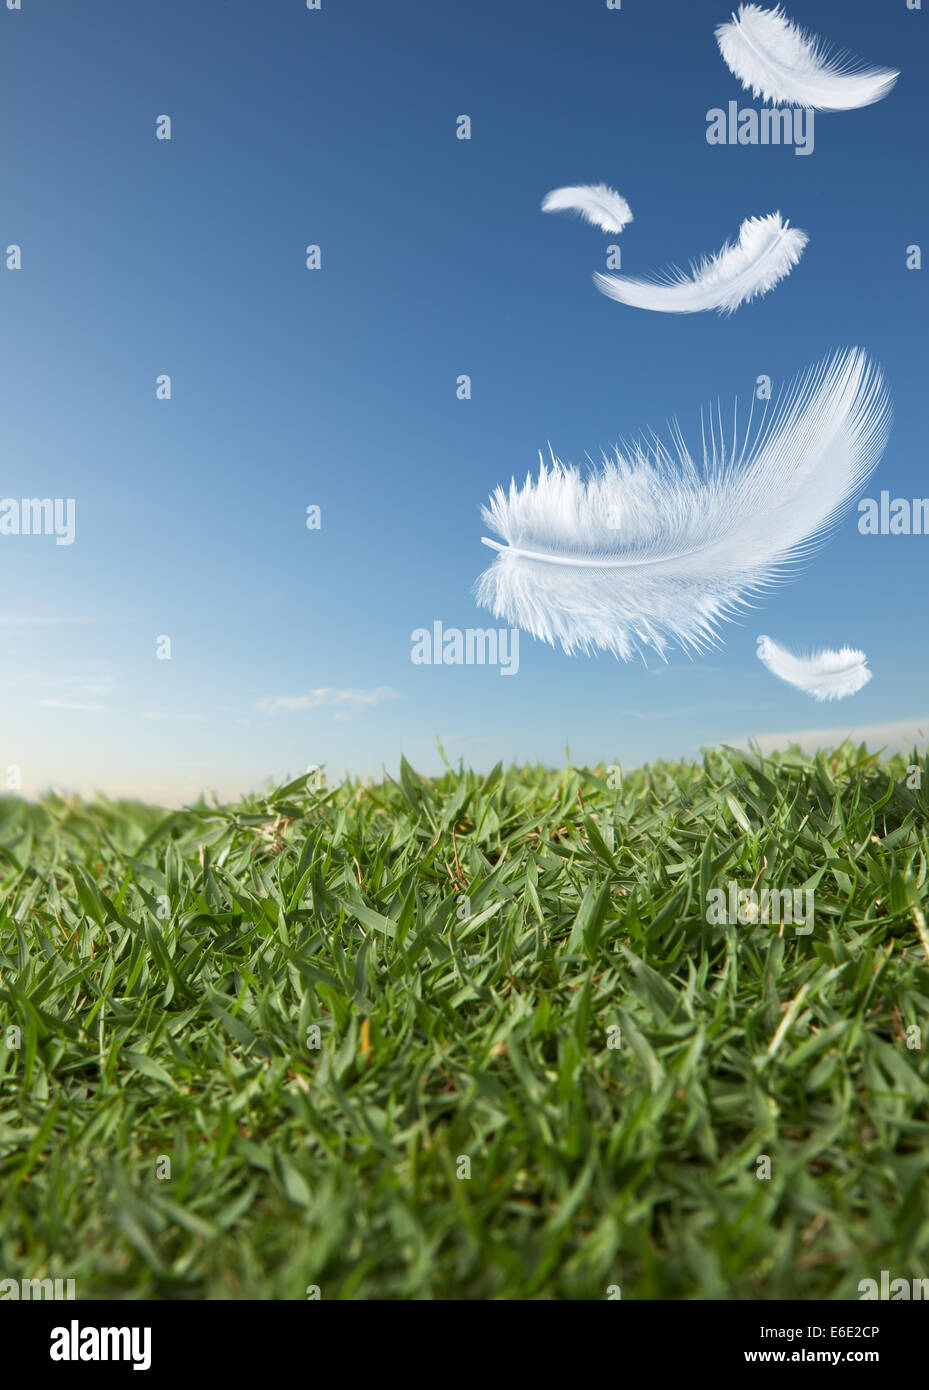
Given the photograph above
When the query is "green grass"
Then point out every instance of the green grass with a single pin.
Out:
(164, 969)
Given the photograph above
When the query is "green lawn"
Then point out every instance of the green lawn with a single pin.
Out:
(468, 948)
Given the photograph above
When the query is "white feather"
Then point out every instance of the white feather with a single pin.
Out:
(598, 204)
(650, 551)
(767, 249)
(785, 65)
(824, 675)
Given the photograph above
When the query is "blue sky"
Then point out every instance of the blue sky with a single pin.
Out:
(337, 387)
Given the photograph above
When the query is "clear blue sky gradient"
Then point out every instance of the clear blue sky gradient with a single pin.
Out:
(337, 387)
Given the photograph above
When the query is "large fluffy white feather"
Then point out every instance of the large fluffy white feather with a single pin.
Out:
(824, 675)
(767, 249)
(598, 204)
(652, 551)
(782, 63)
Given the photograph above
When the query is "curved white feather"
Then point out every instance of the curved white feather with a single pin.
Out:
(597, 203)
(782, 63)
(767, 249)
(651, 551)
(824, 675)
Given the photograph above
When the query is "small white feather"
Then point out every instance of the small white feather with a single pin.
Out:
(824, 675)
(767, 249)
(782, 63)
(651, 551)
(598, 204)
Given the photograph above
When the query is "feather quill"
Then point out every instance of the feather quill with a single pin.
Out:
(785, 65)
(824, 675)
(596, 203)
(651, 551)
(767, 249)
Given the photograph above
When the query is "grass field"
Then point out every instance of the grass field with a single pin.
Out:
(467, 948)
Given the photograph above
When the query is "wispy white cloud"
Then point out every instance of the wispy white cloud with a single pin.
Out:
(92, 687)
(79, 692)
(163, 716)
(344, 702)
(68, 704)
(24, 620)
(684, 709)
(694, 668)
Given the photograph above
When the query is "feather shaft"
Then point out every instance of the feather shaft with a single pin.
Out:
(596, 203)
(777, 60)
(766, 251)
(653, 551)
(826, 675)
(608, 562)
